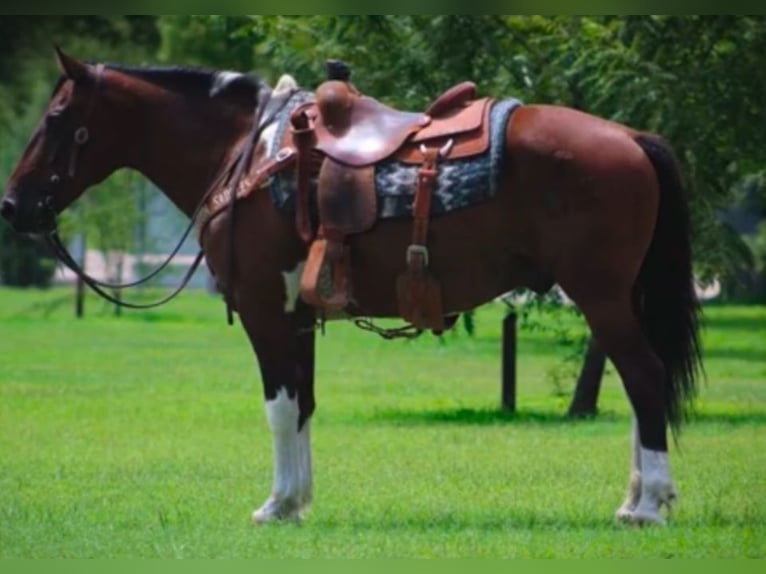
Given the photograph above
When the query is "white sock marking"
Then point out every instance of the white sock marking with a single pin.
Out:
(291, 490)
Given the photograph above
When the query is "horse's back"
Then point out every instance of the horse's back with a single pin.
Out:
(560, 131)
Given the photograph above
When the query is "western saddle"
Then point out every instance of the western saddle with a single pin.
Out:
(339, 137)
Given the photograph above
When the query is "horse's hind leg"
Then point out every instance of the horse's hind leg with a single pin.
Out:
(284, 344)
(619, 333)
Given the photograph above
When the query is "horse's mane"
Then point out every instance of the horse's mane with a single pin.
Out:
(177, 78)
(173, 77)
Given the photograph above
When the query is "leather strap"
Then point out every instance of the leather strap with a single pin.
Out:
(304, 139)
(248, 185)
(417, 252)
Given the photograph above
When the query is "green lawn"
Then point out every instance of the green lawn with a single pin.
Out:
(145, 436)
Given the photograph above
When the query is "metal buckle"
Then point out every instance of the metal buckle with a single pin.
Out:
(443, 151)
(413, 250)
(283, 154)
(81, 135)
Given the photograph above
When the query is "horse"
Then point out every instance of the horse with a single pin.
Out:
(594, 206)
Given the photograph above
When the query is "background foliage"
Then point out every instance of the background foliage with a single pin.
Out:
(697, 80)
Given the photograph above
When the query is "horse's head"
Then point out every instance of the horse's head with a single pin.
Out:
(69, 150)
(101, 119)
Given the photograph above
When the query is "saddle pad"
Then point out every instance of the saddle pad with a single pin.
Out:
(459, 183)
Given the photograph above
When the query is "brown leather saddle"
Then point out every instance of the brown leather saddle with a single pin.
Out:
(349, 133)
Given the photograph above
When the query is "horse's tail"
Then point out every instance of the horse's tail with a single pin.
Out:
(664, 296)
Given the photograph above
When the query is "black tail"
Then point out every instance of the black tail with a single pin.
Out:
(664, 294)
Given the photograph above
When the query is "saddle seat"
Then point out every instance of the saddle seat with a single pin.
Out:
(357, 130)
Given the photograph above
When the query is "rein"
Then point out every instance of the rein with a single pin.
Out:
(54, 240)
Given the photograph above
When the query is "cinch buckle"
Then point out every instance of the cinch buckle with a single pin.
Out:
(443, 151)
(417, 250)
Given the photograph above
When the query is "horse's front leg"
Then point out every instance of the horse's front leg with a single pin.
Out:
(283, 340)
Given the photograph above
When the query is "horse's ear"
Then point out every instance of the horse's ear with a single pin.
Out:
(226, 82)
(70, 67)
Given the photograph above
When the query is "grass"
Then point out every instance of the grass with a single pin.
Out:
(145, 436)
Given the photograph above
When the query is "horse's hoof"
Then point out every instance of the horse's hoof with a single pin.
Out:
(646, 519)
(276, 511)
(624, 515)
(645, 515)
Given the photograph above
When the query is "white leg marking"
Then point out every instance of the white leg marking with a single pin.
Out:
(656, 487)
(291, 491)
(292, 286)
(625, 511)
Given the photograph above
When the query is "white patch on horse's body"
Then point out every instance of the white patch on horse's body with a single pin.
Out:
(285, 84)
(268, 138)
(291, 491)
(292, 281)
(650, 486)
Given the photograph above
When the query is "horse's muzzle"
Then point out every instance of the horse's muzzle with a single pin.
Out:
(34, 215)
(8, 209)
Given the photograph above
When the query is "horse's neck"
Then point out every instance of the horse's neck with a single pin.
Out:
(182, 152)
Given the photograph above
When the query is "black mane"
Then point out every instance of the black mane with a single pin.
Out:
(172, 77)
(176, 78)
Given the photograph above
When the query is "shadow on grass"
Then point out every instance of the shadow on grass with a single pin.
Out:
(508, 519)
(739, 323)
(499, 523)
(466, 416)
(727, 353)
(732, 418)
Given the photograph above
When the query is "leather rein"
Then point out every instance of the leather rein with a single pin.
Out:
(239, 167)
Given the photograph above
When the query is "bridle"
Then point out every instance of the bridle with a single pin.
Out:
(234, 172)
(47, 216)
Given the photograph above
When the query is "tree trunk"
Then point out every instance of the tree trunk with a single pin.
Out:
(508, 398)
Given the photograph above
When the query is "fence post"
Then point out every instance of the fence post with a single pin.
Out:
(509, 363)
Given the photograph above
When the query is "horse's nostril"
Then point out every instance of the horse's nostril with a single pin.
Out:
(8, 209)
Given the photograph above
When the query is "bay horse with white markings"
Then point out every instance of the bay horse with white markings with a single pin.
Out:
(589, 204)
